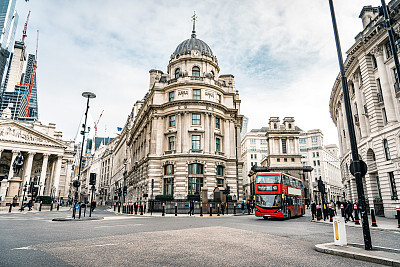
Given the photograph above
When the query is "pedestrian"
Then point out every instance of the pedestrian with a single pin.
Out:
(252, 206)
(325, 211)
(248, 207)
(30, 205)
(242, 207)
(313, 210)
(144, 209)
(319, 212)
(223, 208)
(348, 211)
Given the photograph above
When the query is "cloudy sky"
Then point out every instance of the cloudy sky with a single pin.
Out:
(282, 54)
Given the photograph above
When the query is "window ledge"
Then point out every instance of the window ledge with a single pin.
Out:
(196, 150)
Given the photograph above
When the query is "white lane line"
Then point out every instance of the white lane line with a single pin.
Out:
(25, 248)
(117, 225)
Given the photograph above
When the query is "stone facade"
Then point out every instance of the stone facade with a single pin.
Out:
(47, 160)
(374, 92)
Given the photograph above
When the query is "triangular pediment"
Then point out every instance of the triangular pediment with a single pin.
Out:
(12, 131)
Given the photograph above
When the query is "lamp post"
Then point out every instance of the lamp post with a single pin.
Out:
(359, 167)
(77, 183)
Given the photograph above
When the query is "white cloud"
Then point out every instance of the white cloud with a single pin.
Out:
(282, 54)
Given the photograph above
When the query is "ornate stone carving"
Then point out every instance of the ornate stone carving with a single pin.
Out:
(377, 51)
(16, 134)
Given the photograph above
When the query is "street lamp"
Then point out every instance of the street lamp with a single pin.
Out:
(77, 183)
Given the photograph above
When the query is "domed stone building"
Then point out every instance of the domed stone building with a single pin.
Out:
(184, 136)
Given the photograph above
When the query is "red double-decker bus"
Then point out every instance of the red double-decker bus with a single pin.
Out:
(278, 195)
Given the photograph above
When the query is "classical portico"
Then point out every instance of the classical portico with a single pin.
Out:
(46, 159)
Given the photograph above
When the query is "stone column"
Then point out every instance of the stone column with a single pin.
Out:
(179, 132)
(43, 172)
(386, 90)
(360, 107)
(28, 170)
(57, 173)
(3, 184)
(68, 177)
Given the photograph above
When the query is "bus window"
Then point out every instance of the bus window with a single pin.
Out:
(268, 179)
(285, 180)
(269, 200)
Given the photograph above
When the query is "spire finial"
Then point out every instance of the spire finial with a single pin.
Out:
(194, 17)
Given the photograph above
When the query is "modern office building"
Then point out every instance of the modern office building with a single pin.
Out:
(325, 162)
(374, 93)
(8, 26)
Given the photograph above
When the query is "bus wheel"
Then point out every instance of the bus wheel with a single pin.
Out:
(301, 214)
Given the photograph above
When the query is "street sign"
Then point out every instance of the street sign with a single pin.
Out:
(77, 206)
(363, 166)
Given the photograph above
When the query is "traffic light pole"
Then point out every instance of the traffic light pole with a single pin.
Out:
(352, 136)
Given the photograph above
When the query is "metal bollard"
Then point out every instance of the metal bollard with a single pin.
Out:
(210, 209)
(201, 209)
(234, 208)
(51, 206)
(342, 209)
(80, 211)
(330, 213)
(176, 209)
(40, 206)
(398, 216)
(73, 212)
(131, 208)
(10, 209)
(227, 207)
(58, 206)
(119, 207)
(218, 210)
(163, 209)
(373, 219)
(356, 218)
(136, 208)
(141, 208)
(84, 211)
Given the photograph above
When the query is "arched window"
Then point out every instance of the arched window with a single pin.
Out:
(386, 148)
(196, 73)
(177, 73)
(212, 74)
(195, 168)
(169, 169)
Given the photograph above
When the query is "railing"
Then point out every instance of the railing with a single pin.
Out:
(196, 78)
(380, 97)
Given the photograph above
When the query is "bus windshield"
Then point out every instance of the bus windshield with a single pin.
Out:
(268, 179)
(269, 200)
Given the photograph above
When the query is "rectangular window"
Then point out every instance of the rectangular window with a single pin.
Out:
(393, 185)
(196, 119)
(194, 185)
(284, 151)
(220, 182)
(315, 163)
(302, 140)
(218, 145)
(384, 116)
(217, 123)
(171, 143)
(196, 94)
(303, 148)
(374, 64)
(172, 121)
(171, 96)
(169, 186)
(219, 98)
(253, 148)
(263, 141)
(313, 154)
(220, 170)
(252, 141)
(255, 156)
(319, 163)
(169, 169)
(317, 154)
(314, 139)
(251, 156)
(195, 141)
(378, 184)
(388, 50)
(386, 149)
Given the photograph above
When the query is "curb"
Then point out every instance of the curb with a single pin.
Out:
(77, 220)
(361, 256)
(370, 227)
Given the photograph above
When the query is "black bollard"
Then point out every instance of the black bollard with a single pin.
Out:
(9, 210)
(201, 209)
(115, 206)
(342, 209)
(398, 216)
(58, 206)
(40, 206)
(51, 206)
(210, 209)
(330, 213)
(373, 219)
(131, 208)
(234, 208)
(227, 207)
(141, 208)
(218, 210)
(80, 211)
(176, 209)
(73, 212)
(84, 211)
(356, 218)
(119, 207)
(163, 209)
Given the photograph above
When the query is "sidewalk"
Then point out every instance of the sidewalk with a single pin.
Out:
(384, 224)
(381, 255)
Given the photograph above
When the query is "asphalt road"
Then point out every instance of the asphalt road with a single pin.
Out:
(34, 240)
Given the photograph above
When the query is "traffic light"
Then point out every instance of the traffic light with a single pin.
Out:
(227, 190)
(125, 190)
(76, 183)
(92, 179)
(119, 192)
(321, 186)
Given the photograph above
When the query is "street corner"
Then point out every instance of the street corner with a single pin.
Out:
(380, 255)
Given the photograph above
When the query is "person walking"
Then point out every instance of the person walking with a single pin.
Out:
(248, 207)
(313, 210)
(242, 207)
(325, 211)
(223, 208)
(348, 211)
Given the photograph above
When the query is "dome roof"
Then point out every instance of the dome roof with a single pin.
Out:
(193, 43)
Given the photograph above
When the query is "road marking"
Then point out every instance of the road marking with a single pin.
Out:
(117, 225)
(25, 248)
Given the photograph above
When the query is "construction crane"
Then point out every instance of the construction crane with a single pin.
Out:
(25, 27)
(28, 111)
(97, 123)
